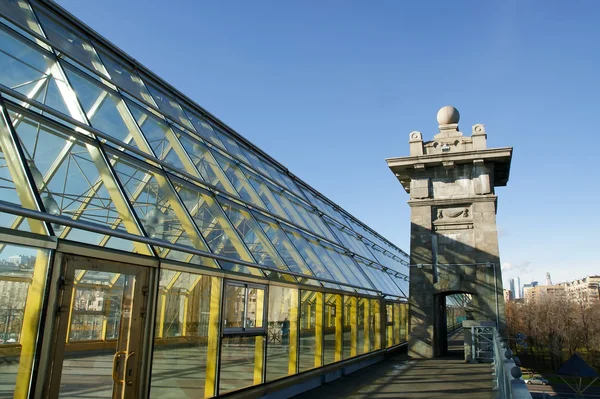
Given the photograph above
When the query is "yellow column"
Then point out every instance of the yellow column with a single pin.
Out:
(367, 327)
(397, 322)
(161, 314)
(293, 354)
(212, 350)
(308, 312)
(258, 359)
(353, 326)
(377, 323)
(339, 327)
(184, 314)
(105, 318)
(319, 329)
(31, 316)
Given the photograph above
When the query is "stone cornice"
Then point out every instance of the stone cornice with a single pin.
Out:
(452, 201)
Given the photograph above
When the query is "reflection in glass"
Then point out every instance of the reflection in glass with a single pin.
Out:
(181, 341)
(234, 306)
(20, 303)
(332, 341)
(311, 330)
(282, 332)
(241, 362)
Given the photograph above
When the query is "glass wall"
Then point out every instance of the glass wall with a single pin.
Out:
(282, 333)
(96, 140)
(187, 303)
(23, 276)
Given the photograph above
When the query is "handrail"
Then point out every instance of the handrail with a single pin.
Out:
(509, 383)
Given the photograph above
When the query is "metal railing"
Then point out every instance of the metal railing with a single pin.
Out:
(509, 383)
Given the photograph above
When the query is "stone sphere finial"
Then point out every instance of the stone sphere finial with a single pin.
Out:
(447, 115)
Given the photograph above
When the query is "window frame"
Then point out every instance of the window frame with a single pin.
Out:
(245, 330)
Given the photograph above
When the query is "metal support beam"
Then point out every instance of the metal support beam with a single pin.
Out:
(212, 350)
(31, 317)
(339, 327)
(353, 326)
(293, 351)
(318, 329)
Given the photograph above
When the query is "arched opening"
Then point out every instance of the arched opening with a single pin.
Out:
(451, 308)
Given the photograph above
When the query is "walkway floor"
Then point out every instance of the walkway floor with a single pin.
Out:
(400, 377)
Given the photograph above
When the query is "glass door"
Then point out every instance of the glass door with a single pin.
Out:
(102, 309)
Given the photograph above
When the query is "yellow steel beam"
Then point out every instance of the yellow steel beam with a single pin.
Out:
(319, 330)
(353, 326)
(184, 314)
(105, 318)
(29, 329)
(16, 168)
(339, 327)
(376, 317)
(367, 326)
(212, 350)
(397, 321)
(258, 359)
(293, 351)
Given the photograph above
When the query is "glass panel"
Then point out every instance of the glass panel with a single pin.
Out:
(203, 128)
(292, 207)
(100, 300)
(31, 71)
(71, 177)
(206, 164)
(167, 104)
(309, 256)
(158, 208)
(231, 145)
(182, 345)
(241, 362)
(375, 324)
(284, 246)
(266, 195)
(239, 180)
(311, 330)
(331, 267)
(158, 134)
(255, 309)
(105, 109)
(96, 313)
(124, 75)
(21, 12)
(255, 162)
(363, 343)
(333, 320)
(73, 43)
(23, 274)
(212, 223)
(234, 306)
(253, 236)
(282, 331)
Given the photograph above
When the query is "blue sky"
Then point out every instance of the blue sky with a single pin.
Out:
(331, 88)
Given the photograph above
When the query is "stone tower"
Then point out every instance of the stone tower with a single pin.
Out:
(454, 241)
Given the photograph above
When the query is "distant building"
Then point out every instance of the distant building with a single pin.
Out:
(548, 279)
(585, 290)
(543, 291)
(511, 284)
(508, 295)
(518, 292)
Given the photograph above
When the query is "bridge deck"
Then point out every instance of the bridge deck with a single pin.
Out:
(400, 377)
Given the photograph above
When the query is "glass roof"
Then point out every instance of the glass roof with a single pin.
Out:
(106, 142)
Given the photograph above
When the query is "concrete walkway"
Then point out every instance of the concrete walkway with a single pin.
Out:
(399, 377)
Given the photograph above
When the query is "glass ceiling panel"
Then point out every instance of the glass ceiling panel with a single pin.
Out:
(73, 180)
(203, 128)
(255, 162)
(283, 245)
(267, 197)
(104, 108)
(158, 135)
(206, 164)
(29, 70)
(353, 267)
(309, 256)
(76, 44)
(239, 180)
(333, 268)
(21, 12)
(253, 236)
(220, 236)
(124, 75)
(292, 210)
(11, 171)
(231, 145)
(167, 104)
(157, 207)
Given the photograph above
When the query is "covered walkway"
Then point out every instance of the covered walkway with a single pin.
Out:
(400, 377)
